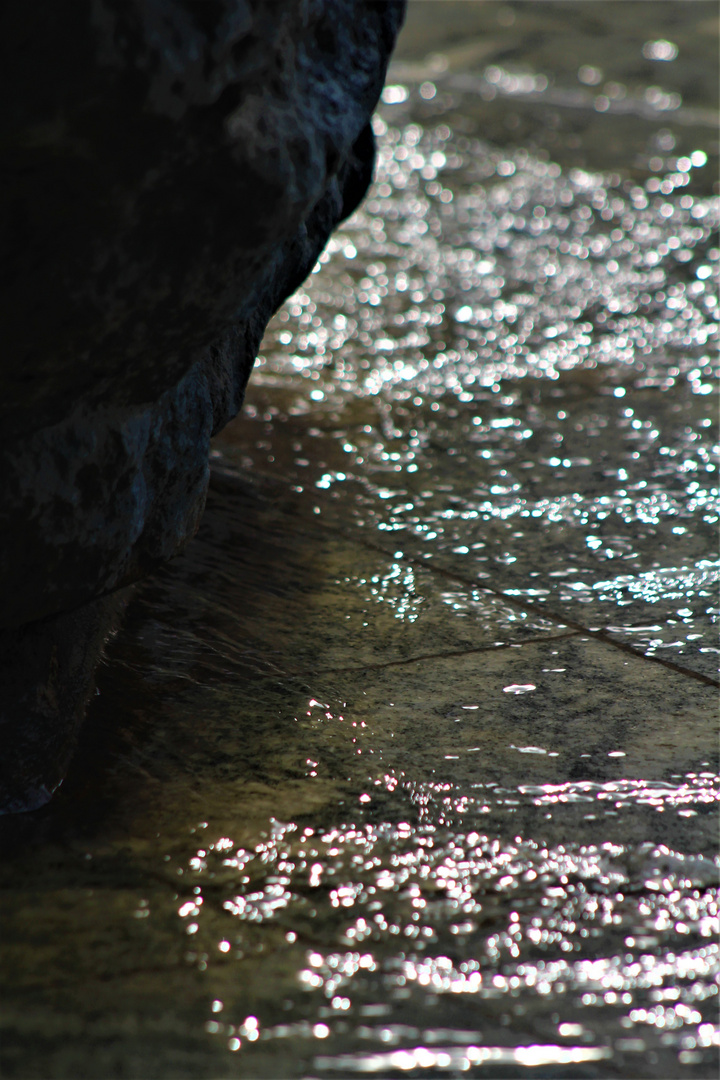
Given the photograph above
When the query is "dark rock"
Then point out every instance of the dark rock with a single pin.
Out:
(172, 170)
(46, 679)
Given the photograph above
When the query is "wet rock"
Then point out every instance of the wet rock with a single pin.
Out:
(46, 679)
(172, 170)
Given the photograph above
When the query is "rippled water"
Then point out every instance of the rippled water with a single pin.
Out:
(409, 766)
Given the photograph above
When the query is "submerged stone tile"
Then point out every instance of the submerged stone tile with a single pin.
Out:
(268, 588)
(546, 712)
(688, 640)
(591, 537)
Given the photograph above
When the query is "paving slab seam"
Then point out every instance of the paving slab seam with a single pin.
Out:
(438, 655)
(552, 616)
(453, 575)
(605, 635)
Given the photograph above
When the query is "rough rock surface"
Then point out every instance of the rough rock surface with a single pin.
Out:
(172, 169)
(47, 678)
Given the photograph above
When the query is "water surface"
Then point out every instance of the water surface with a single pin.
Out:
(409, 765)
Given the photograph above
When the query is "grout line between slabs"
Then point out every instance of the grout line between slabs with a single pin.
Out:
(230, 473)
(455, 653)
(552, 616)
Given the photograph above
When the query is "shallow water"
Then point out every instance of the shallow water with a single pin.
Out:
(409, 766)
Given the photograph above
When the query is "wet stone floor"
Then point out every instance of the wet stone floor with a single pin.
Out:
(408, 766)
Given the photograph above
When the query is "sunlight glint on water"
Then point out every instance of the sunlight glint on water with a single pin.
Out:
(409, 765)
(511, 367)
